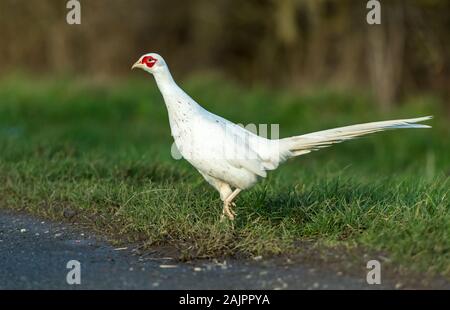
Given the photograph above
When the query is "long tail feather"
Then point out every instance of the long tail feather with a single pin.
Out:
(303, 144)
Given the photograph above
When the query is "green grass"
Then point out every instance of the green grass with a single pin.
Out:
(102, 155)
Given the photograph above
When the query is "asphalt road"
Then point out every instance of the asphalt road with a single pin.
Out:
(34, 254)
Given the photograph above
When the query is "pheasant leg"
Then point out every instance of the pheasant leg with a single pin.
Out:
(228, 203)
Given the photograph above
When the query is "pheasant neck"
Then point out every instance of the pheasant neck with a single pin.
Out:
(165, 82)
(178, 103)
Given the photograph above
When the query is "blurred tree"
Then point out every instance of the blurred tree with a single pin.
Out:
(385, 53)
(296, 43)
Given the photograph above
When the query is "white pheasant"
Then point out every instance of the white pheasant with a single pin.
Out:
(230, 157)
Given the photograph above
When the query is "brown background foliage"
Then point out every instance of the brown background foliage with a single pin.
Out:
(293, 43)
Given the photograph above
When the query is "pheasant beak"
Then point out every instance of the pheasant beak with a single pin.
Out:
(136, 65)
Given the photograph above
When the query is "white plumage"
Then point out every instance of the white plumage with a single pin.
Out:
(229, 156)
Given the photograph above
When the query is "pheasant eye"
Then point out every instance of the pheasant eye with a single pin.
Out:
(149, 61)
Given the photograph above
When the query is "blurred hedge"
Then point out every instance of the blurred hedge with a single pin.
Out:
(296, 43)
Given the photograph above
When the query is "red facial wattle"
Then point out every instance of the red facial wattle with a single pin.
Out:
(149, 61)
